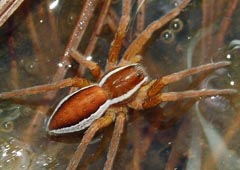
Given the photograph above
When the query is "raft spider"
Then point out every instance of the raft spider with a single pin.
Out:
(124, 84)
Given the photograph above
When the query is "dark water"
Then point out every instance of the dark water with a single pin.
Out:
(189, 134)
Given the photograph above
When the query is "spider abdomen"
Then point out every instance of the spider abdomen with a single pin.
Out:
(77, 106)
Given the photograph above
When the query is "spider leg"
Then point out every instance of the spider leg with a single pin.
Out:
(160, 83)
(137, 45)
(173, 96)
(132, 60)
(118, 130)
(149, 95)
(91, 65)
(102, 122)
(119, 36)
(77, 82)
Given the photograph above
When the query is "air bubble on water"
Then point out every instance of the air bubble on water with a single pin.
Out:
(7, 126)
(60, 64)
(53, 4)
(232, 83)
(229, 56)
(66, 53)
(175, 4)
(8, 113)
(167, 36)
(81, 24)
(90, 3)
(89, 58)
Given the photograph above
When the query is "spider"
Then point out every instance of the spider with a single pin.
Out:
(125, 84)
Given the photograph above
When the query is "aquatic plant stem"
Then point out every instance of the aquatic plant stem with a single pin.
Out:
(7, 8)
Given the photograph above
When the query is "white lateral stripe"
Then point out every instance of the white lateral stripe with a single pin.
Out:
(103, 80)
(88, 121)
(129, 93)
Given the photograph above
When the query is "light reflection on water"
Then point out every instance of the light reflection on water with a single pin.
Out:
(8, 113)
(224, 158)
(14, 154)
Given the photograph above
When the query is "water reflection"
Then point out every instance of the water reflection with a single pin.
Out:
(14, 154)
(224, 158)
(53, 4)
(217, 103)
(44, 162)
(8, 113)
